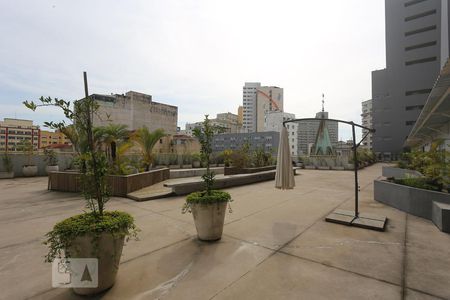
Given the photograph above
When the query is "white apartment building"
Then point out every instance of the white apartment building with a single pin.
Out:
(366, 117)
(13, 132)
(257, 101)
(274, 122)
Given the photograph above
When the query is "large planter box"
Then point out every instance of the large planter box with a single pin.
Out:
(121, 185)
(6, 175)
(415, 201)
(235, 171)
(398, 173)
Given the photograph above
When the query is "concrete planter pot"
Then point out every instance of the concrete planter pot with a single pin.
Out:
(209, 219)
(108, 251)
(29, 171)
(6, 175)
(49, 169)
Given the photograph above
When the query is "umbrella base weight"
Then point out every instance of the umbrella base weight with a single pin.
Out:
(366, 221)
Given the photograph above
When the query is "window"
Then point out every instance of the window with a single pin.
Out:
(421, 15)
(412, 2)
(420, 61)
(417, 92)
(418, 46)
(414, 107)
(420, 30)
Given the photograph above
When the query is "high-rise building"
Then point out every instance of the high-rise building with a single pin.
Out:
(366, 118)
(274, 122)
(257, 101)
(307, 132)
(136, 110)
(13, 133)
(417, 46)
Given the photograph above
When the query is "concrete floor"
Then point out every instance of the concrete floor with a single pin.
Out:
(276, 245)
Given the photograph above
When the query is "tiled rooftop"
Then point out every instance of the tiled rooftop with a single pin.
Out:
(276, 245)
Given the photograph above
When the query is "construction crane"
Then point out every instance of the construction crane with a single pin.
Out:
(270, 99)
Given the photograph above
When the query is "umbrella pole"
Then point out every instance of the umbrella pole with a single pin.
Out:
(355, 165)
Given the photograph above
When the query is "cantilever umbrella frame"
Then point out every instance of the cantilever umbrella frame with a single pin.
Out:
(355, 218)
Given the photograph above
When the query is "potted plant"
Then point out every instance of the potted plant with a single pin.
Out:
(96, 233)
(8, 166)
(52, 161)
(208, 207)
(29, 169)
(196, 160)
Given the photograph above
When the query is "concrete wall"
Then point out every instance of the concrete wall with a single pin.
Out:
(64, 160)
(415, 201)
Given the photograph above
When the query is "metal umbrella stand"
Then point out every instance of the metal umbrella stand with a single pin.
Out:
(347, 217)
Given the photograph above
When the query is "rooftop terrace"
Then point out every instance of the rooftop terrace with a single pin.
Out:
(276, 245)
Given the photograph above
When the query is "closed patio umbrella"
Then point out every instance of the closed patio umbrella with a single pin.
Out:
(284, 178)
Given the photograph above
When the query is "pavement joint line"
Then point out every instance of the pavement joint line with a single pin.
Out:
(425, 293)
(156, 250)
(404, 260)
(50, 203)
(250, 242)
(123, 262)
(161, 214)
(339, 268)
(266, 208)
(35, 218)
(19, 244)
(281, 247)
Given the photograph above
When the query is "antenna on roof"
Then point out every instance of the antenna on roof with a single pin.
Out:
(323, 102)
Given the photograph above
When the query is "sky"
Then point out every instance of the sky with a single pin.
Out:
(195, 54)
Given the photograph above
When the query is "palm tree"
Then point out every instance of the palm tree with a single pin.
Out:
(111, 135)
(147, 140)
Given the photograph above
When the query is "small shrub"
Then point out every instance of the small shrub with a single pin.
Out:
(7, 163)
(420, 183)
(50, 157)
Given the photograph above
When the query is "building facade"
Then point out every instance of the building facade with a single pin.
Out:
(433, 124)
(417, 46)
(53, 138)
(366, 120)
(257, 101)
(13, 132)
(268, 141)
(240, 115)
(178, 144)
(307, 133)
(274, 122)
(136, 110)
(227, 121)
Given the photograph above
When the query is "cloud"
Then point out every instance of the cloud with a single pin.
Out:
(193, 54)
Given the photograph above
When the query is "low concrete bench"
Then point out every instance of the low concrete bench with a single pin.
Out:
(183, 173)
(441, 216)
(185, 188)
